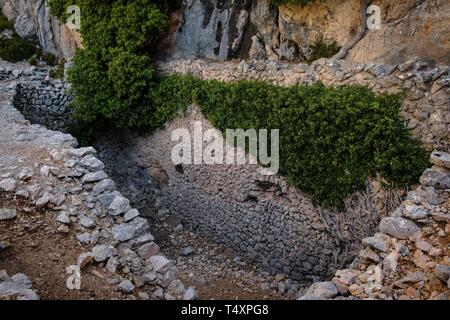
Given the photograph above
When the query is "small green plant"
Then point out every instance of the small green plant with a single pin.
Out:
(58, 72)
(323, 49)
(33, 61)
(50, 59)
(16, 49)
(5, 23)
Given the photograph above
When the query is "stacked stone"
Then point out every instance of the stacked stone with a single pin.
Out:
(46, 104)
(409, 258)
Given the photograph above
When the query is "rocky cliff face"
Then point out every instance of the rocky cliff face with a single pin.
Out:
(256, 29)
(32, 19)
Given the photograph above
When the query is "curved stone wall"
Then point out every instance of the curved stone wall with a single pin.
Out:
(45, 103)
(259, 216)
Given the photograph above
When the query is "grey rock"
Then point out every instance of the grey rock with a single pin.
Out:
(81, 152)
(128, 231)
(92, 163)
(159, 263)
(119, 205)
(94, 177)
(411, 278)
(102, 252)
(63, 217)
(130, 215)
(326, 290)
(126, 286)
(150, 277)
(7, 214)
(86, 222)
(8, 185)
(440, 159)
(398, 227)
(436, 177)
(379, 241)
(415, 212)
(104, 185)
(190, 294)
(84, 237)
(442, 272)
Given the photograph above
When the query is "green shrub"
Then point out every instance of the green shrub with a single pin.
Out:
(323, 49)
(58, 72)
(50, 59)
(5, 23)
(16, 49)
(33, 61)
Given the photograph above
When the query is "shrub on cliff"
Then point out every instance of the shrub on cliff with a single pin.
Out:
(16, 49)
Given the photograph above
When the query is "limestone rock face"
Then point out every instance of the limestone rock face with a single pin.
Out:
(32, 19)
(409, 28)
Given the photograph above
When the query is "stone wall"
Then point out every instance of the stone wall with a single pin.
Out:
(425, 107)
(259, 216)
(45, 103)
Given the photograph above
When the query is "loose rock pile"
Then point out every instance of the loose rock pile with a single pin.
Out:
(16, 287)
(410, 256)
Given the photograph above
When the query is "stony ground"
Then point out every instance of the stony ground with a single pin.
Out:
(409, 258)
(218, 272)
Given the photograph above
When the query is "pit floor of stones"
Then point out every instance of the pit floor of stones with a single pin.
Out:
(216, 271)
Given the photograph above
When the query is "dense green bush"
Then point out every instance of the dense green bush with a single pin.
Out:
(16, 49)
(5, 23)
(331, 139)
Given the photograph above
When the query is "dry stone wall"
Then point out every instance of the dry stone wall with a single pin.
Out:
(45, 103)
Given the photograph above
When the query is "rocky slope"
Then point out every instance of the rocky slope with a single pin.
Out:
(256, 29)
(409, 257)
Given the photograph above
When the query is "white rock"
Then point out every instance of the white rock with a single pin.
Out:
(7, 214)
(8, 185)
(102, 252)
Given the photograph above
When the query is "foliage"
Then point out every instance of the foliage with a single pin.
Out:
(16, 49)
(58, 72)
(5, 23)
(323, 49)
(50, 59)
